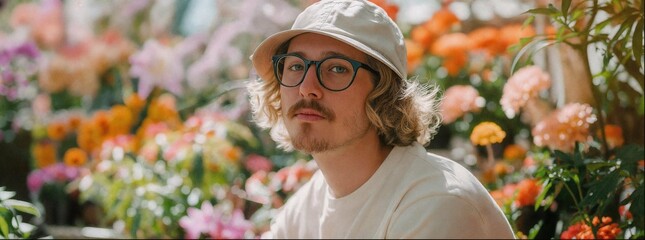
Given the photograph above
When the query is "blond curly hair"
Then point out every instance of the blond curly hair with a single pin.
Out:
(402, 111)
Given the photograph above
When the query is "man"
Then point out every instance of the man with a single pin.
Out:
(335, 86)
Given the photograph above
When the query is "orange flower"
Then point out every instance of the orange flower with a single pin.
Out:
(614, 135)
(487, 133)
(514, 152)
(75, 157)
(391, 9)
(74, 122)
(120, 120)
(415, 54)
(527, 191)
(135, 103)
(89, 136)
(56, 131)
(422, 36)
(581, 230)
(44, 154)
(233, 153)
(453, 48)
(486, 39)
(511, 34)
(441, 21)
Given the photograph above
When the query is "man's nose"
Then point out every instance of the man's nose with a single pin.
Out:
(310, 86)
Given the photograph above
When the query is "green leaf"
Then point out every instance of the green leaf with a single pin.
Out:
(629, 156)
(637, 207)
(4, 227)
(544, 11)
(602, 189)
(23, 206)
(542, 195)
(565, 8)
(637, 42)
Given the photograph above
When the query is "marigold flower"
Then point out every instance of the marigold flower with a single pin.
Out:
(525, 84)
(563, 127)
(486, 39)
(56, 131)
(120, 120)
(75, 157)
(135, 103)
(441, 21)
(511, 34)
(414, 54)
(233, 153)
(614, 135)
(44, 154)
(527, 191)
(514, 152)
(453, 48)
(89, 136)
(487, 133)
(422, 36)
(458, 100)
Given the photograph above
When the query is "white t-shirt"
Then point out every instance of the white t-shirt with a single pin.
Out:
(413, 194)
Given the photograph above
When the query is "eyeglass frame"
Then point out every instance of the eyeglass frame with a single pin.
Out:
(355, 64)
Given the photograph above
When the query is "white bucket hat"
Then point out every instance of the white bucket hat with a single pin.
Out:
(359, 23)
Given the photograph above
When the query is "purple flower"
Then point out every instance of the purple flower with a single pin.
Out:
(157, 65)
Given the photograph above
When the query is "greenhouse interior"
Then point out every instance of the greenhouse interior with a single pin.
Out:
(133, 118)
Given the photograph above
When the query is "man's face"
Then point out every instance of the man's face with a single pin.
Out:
(316, 118)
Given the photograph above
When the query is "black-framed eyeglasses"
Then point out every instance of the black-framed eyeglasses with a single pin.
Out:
(335, 73)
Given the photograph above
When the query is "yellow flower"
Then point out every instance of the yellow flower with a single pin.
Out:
(44, 154)
(75, 157)
(487, 133)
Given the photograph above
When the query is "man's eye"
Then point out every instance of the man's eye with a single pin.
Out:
(296, 67)
(338, 69)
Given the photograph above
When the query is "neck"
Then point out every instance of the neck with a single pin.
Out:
(348, 167)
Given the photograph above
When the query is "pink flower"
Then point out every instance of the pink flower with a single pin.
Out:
(458, 100)
(157, 65)
(210, 220)
(199, 220)
(257, 189)
(563, 127)
(255, 163)
(525, 84)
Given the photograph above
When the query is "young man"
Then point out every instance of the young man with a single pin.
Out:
(335, 86)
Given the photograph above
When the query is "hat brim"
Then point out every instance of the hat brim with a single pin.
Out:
(262, 55)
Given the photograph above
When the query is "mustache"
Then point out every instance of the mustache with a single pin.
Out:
(326, 112)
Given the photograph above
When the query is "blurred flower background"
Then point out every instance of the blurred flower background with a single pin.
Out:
(131, 115)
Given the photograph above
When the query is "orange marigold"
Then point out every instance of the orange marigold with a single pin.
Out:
(527, 191)
(75, 157)
(121, 119)
(56, 131)
(614, 134)
(44, 154)
(135, 103)
(453, 48)
(487, 133)
(514, 152)
(414, 54)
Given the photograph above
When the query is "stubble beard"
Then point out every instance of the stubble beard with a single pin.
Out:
(306, 141)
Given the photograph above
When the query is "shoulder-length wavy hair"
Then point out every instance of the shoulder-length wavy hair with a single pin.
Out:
(402, 111)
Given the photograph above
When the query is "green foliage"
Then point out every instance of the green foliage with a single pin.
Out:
(11, 225)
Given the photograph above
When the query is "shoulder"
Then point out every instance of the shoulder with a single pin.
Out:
(449, 197)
